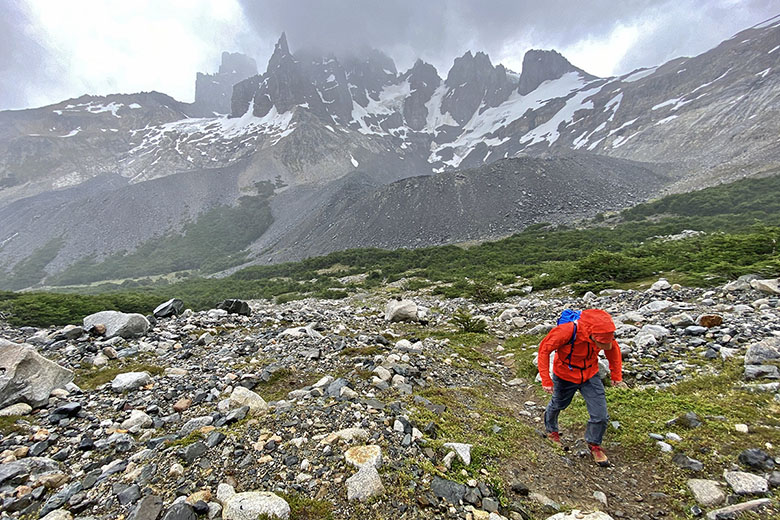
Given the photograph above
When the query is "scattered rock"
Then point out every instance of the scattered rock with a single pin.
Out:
(364, 484)
(172, 307)
(746, 483)
(130, 381)
(27, 377)
(733, 510)
(118, 323)
(239, 307)
(706, 492)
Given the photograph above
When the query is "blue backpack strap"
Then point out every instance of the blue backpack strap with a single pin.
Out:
(571, 343)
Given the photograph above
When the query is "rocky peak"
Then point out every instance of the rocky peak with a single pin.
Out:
(540, 66)
(368, 73)
(213, 92)
(285, 84)
(474, 82)
(423, 81)
(237, 63)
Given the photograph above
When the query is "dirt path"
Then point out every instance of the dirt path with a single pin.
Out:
(634, 489)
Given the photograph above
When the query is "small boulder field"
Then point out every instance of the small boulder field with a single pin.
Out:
(392, 404)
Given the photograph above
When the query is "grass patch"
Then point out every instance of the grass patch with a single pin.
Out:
(192, 438)
(283, 381)
(91, 378)
(305, 508)
(641, 412)
(8, 425)
(524, 347)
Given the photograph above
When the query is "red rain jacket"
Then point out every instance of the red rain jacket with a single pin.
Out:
(584, 353)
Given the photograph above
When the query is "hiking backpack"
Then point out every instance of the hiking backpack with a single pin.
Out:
(570, 315)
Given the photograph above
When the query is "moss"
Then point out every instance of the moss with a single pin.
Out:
(91, 378)
(283, 381)
(192, 438)
(8, 424)
(305, 508)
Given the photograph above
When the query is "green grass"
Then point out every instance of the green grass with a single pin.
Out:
(8, 425)
(641, 412)
(283, 381)
(524, 349)
(305, 508)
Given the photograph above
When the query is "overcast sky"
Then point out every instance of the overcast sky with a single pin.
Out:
(51, 50)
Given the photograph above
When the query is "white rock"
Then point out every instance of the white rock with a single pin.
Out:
(250, 505)
(706, 492)
(746, 483)
(119, 323)
(771, 286)
(360, 456)
(245, 397)
(741, 428)
(661, 285)
(383, 374)
(16, 409)
(728, 511)
(138, 418)
(130, 381)
(403, 310)
(463, 451)
(27, 376)
(364, 484)
(100, 360)
(58, 514)
(576, 514)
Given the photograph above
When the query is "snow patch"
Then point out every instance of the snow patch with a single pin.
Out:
(353, 161)
(72, 132)
(773, 49)
(666, 119)
(763, 73)
(71, 179)
(636, 76)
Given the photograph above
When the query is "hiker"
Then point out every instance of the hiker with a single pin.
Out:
(576, 367)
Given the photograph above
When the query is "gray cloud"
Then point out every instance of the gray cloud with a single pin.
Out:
(439, 30)
(27, 66)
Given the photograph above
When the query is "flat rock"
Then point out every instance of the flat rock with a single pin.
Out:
(706, 492)
(148, 508)
(769, 286)
(251, 504)
(359, 456)
(364, 484)
(16, 409)
(58, 514)
(763, 351)
(746, 483)
(130, 381)
(450, 491)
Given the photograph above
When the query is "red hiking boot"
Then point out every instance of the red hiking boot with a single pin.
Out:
(555, 437)
(599, 457)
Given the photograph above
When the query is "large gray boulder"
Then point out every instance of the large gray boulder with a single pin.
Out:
(118, 323)
(28, 377)
(172, 307)
(401, 310)
(763, 351)
(770, 286)
(251, 504)
(130, 381)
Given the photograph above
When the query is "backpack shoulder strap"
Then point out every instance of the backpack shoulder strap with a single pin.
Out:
(571, 343)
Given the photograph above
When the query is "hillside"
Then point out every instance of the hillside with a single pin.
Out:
(95, 177)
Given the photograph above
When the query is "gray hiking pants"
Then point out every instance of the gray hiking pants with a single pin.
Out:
(592, 391)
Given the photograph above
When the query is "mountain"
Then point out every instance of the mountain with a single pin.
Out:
(333, 133)
(213, 92)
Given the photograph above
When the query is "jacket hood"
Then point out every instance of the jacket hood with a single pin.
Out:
(596, 321)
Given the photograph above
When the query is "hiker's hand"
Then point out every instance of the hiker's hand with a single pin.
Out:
(620, 384)
(547, 389)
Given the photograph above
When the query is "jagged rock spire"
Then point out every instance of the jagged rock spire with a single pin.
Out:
(540, 66)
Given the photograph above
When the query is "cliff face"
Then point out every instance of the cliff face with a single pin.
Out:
(213, 92)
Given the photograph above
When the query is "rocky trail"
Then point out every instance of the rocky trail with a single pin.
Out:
(381, 406)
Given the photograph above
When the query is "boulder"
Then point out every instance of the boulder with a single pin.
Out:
(242, 396)
(130, 381)
(239, 307)
(706, 492)
(172, 307)
(746, 483)
(463, 451)
(250, 505)
(450, 491)
(118, 323)
(770, 286)
(401, 310)
(359, 456)
(763, 351)
(28, 377)
(364, 484)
